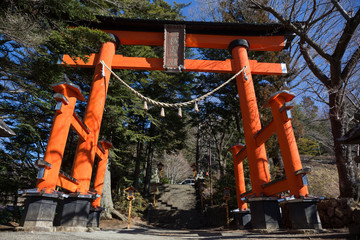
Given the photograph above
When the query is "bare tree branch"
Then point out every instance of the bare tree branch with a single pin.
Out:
(292, 9)
(313, 66)
(351, 63)
(311, 15)
(314, 21)
(294, 28)
(341, 9)
(346, 36)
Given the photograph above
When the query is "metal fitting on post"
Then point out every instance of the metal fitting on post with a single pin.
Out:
(238, 42)
(115, 39)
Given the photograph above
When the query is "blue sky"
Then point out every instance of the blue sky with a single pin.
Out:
(187, 11)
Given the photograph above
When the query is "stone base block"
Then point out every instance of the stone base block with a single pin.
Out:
(265, 213)
(94, 217)
(242, 219)
(303, 214)
(73, 212)
(39, 213)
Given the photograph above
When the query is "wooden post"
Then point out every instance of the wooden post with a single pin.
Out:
(227, 213)
(131, 196)
(154, 199)
(129, 217)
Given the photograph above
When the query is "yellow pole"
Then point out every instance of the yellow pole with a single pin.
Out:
(227, 213)
(129, 215)
(154, 199)
(194, 176)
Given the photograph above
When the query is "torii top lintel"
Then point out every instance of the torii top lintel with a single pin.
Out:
(261, 37)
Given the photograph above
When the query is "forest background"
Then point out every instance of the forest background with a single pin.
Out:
(323, 64)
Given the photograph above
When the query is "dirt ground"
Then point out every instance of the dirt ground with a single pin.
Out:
(116, 229)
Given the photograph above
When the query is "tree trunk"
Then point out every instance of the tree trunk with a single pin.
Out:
(139, 150)
(221, 163)
(148, 172)
(348, 173)
(197, 154)
(106, 199)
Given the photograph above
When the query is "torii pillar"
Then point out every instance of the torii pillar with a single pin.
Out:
(265, 212)
(86, 150)
(258, 164)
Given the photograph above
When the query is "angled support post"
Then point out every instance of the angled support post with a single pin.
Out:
(288, 147)
(258, 164)
(239, 177)
(41, 204)
(85, 152)
(303, 212)
(103, 154)
(95, 211)
(66, 96)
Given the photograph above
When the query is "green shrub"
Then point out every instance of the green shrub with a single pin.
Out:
(139, 205)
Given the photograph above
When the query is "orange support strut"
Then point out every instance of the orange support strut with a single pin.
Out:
(258, 165)
(287, 143)
(100, 174)
(58, 135)
(239, 178)
(85, 153)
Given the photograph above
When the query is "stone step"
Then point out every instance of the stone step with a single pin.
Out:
(176, 208)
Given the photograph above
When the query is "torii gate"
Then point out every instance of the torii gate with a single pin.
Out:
(238, 38)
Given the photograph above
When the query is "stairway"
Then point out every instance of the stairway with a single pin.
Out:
(176, 208)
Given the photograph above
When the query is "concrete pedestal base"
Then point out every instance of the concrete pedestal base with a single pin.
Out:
(303, 214)
(39, 213)
(94, 217)
(242, 219)
(265, 213)
(73, 212)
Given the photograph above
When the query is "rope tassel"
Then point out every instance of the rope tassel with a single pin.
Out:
(196, 108)
(179, 112)
(162, 112)
(145, 106)
(245, 76)
(102, 70)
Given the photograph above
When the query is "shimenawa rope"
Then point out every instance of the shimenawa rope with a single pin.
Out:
(169, 105)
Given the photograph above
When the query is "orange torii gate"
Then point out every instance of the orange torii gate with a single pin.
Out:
(238, 38)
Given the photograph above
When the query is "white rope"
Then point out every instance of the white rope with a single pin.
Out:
(171, 105)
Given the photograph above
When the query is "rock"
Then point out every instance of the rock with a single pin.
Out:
(344, 202)
(356, 216)
(354, 229)
(348, 212)
(330, 212)
(333, 203)
(14, 224)
(337, 223)
(339, 212)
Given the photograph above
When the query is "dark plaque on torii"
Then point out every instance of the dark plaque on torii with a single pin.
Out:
(174, 47)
